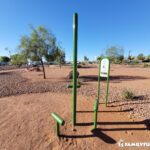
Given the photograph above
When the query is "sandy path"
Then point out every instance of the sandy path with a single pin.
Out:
(26, 124)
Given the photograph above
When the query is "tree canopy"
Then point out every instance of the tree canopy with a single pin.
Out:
(148, 57)
(141, 57)
(39, 45)
(114, 52)
(18, 59)
(86, 59)
(100, 57)
(4, 59)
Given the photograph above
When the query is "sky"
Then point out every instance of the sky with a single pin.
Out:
(101, 23)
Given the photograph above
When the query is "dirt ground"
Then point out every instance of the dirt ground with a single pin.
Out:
(25, 117)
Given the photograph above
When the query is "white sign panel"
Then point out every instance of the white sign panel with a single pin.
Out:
(104, 67)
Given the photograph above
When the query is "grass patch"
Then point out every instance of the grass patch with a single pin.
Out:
(128, 94)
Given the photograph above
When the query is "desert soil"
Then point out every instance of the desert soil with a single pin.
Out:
(27, 102)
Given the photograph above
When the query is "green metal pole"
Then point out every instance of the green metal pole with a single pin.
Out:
(107, 85)
(75, 30)
(99, 81)
(95, 112)
(57, 128)
(95, 118)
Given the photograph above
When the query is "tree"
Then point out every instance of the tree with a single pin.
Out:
(100, 57)
(114, 51)
(59, 56)
(141, 57)
(148, 57)
(18, 59)
(39, 45)
(4, 59)
(120, 58)
(86, 59)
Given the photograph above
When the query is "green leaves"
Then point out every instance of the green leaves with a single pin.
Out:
(4, 59)
(141, 57)
(40, 44)
(18, 59)
(114, 52)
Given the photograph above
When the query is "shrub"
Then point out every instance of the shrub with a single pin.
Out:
(128, 94)
(117, 62)
(83, 63)
(34, 65)
(18, 59)
(146, 65)
(136, 62)
(125, 61)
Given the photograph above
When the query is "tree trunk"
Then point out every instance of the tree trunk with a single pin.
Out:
(43, 69)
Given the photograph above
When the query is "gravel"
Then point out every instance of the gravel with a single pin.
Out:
(12, 83)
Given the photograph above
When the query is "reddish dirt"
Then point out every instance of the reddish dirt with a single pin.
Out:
(120, 75)
(26, 122)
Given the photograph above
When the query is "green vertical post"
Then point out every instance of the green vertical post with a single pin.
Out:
(58, 121)
(57, 128)
(95, 118)
(75, 30)
(99, 81)
(95, 113)
(107, 84)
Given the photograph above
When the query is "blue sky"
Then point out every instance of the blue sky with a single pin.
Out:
(102, 23)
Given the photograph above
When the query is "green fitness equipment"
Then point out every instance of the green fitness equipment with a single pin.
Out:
(99, 74)
(95, 112)
(74, 85)
(98, 92)
(74, 92)
(58, 121)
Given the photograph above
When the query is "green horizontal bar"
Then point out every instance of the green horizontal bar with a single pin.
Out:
(58, 119)
(96, 105)
(71, 86)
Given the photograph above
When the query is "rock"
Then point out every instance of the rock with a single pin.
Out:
(70, 76)
(74, 130)
(34, 69)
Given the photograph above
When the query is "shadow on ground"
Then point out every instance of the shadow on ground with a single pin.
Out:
(126, 110)
(95, 133)
(90, 78)
(144, 122)
(6, 73)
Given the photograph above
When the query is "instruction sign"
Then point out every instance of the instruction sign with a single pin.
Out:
(104, 67)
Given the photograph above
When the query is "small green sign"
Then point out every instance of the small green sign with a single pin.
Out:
(104, 67)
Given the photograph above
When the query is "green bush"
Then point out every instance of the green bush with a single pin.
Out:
(146, 65)
(135, 62)
(125, 61)
(128, 94)
(117, 62)
(35, 65)
(4, 59)
(18, 60)
(83, 63)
